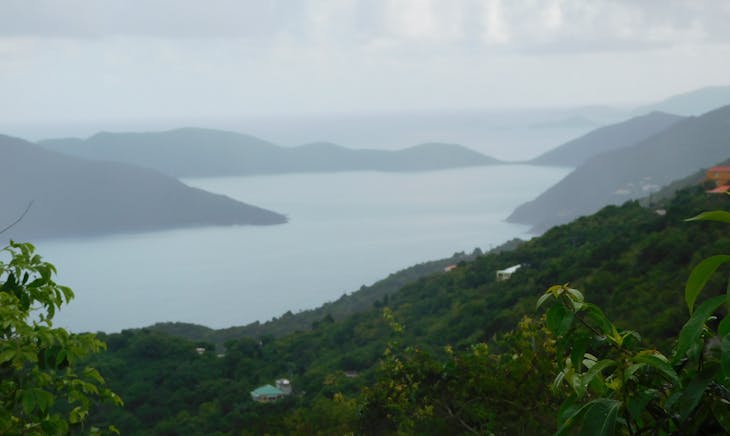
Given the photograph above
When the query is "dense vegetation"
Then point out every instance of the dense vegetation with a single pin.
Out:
(455, 350)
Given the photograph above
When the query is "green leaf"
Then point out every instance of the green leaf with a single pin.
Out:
(593, 419)
(44, 399)
(593, 372)
(542, 299)
(693, 328)
(725, 356)
(580, 344)
(724, 327)
(636, 404)
(60, 357)
(721, 411)
(699, 276)
(7, 355)
(661, 364)
(693, 393)
(559, 319)
(28, 401)
(575, 295)
(598, 317)
(569, 408)
(714, 215)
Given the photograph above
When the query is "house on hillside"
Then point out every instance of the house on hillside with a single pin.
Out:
(505, 274)
(270, 394)
(719, 190)
(720, 175)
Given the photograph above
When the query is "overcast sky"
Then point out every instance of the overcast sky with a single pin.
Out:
(78, 60)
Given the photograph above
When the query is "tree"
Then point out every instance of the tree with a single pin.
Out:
(44, 389)
(475, 390)
(621, 387)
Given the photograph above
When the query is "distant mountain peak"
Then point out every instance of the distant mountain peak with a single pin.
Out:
(694, 102)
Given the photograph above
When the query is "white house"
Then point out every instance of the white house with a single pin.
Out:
(505, 274)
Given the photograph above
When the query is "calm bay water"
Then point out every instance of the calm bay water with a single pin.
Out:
(345, 230)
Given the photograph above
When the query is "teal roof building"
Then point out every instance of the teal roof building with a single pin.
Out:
(267, 394)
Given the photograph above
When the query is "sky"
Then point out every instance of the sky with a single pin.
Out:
(80, 60)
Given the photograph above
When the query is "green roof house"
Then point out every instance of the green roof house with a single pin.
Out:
(269, 393)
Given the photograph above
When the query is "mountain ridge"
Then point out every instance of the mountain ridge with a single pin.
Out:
(616, 176)
(197, 152)
(606, 138)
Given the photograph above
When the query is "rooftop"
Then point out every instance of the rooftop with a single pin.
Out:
(511, 269)
(267, 390)
(720, 169)
(719, 190)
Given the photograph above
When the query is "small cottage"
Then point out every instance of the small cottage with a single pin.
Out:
(505, 274)
(269, 393)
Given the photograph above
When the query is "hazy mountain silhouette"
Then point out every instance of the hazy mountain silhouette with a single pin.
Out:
(616, 176)
(193, 152)
(694, 102)
(620, 135)
(77, 197)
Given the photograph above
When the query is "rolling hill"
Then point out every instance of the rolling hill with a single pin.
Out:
(193, 152)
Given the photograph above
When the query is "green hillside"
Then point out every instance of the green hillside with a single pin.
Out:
(376, 295)
(628, 259)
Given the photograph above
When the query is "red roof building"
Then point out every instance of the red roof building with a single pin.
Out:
(719, 190)
(719, 174)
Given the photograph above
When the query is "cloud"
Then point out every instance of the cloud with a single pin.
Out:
(519, 24)
(116, 58)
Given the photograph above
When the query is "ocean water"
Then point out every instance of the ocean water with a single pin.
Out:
(346, 230)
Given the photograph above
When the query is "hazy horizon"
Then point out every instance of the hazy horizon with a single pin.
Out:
(84, 61)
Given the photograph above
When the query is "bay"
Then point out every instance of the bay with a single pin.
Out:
(346, 230)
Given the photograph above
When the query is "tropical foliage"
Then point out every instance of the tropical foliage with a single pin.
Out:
(43, 387)
(618, 385)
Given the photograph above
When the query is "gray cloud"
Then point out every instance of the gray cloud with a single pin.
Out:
(516, 24)
(80, 59)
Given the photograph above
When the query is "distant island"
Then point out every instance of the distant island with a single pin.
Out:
(195, 152)
(78, 197)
